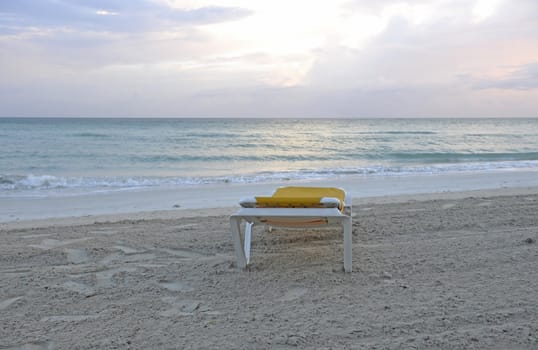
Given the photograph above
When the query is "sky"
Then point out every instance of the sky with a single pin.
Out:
(253, 58)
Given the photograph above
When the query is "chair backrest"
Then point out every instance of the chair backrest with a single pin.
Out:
(303, 197)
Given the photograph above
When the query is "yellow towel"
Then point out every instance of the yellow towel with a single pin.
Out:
(301, 197)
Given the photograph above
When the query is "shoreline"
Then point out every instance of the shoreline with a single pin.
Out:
(210, 199)
(184, 213)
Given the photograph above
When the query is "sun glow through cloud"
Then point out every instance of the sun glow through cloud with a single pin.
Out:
(285, 29)
(106, 13)
(484, 9)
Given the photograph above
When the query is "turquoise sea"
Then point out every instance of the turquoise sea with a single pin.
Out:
(55, 156)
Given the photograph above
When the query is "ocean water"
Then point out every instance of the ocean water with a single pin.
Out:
(57, 157)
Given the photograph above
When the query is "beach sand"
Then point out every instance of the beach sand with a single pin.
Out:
(441, 271)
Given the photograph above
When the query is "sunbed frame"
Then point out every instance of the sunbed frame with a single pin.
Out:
(290, 217)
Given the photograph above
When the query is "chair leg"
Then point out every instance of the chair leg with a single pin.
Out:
(248, 235)
(235, 223)
(347, 244)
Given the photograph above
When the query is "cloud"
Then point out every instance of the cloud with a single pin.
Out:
(343, 58)
(436, 52)
(378, 6)
(82, 34)
(522, 78)
(114, 15)
(209, 14)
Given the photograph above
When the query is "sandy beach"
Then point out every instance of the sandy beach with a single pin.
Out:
(433, 271)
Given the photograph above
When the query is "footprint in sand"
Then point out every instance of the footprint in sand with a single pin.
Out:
(176, 286)
(150, 266)
(128, 250)
(15, 271)
(69, 318)
(133, 254)
(47, 244)
(8, 302)
(123, 258)
(185, 253)
(106, 232)
(34, 346)
(186, 226)
(293, 294)
(39, 235)
(104, 278)
(109, 259)
(76, 256)
(179, 307)
(79, 288)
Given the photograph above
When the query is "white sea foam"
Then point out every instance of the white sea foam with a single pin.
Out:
(48, 185)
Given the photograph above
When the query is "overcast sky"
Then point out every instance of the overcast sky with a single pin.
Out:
(292, 58)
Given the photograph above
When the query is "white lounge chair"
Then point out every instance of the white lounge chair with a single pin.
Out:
(293, 207)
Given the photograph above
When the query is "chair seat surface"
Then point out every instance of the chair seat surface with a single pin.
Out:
(302, 197)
